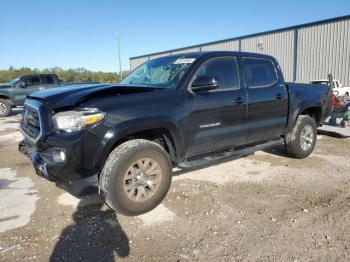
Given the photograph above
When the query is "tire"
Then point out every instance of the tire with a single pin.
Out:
(153, 167)
(5, 108)
(301, 140)
(333, 121)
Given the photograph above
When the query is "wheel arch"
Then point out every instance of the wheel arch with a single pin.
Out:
(165, 134)
(2, 96)
(312, 109)
(315, 112)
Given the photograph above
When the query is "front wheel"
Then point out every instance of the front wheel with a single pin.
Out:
(301, 140)
(5, 108)
(136, 177)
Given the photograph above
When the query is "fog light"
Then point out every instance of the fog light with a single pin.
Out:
(62, 155)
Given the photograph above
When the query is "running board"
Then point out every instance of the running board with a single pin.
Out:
(207, 160)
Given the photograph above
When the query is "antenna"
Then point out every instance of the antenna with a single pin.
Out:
(120, 60)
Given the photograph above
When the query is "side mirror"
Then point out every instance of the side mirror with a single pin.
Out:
(22, 84)
(205, 83)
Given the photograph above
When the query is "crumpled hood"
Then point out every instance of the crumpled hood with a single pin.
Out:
(72, 95)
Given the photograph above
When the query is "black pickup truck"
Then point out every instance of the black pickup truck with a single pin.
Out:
(170, 112)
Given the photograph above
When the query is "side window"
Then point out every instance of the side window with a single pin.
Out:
(49, 80)
(224, 68)
(32, 80)
(259, 72)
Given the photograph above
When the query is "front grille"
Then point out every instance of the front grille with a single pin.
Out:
(30, 123)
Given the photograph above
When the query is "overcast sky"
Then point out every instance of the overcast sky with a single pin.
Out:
(82, 33)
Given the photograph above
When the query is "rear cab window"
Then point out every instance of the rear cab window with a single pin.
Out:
(259, 72)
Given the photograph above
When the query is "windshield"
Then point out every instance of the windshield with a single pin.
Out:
(14, 81)
(165, 72)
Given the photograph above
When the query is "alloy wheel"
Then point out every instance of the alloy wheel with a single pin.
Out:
(306, 137)
(142, 179)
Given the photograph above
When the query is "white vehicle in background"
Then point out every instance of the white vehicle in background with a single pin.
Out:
(338, 88)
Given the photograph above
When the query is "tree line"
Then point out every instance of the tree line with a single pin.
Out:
(69, 75)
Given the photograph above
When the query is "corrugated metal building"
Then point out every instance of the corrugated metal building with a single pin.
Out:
(305, 52)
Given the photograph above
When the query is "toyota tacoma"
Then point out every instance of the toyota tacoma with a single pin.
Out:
(177, 111)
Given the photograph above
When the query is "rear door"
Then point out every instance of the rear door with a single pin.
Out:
(48, 81)
(268, 99)
(216, 118)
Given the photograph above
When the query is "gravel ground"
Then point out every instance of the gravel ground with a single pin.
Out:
(264, 207)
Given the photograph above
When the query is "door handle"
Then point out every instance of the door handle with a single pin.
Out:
(238, 100)
(279, 96)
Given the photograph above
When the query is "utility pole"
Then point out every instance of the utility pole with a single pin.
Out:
(120, 60)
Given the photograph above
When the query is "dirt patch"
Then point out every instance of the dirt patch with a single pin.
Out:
(70, 200)
(12, 137)
(157, 216)
(240, 170)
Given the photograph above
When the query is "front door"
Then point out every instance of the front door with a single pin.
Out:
(32, 84)
(217, 117)
(268, 99)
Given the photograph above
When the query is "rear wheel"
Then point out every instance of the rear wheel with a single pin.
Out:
(333, 121)
(301, 140)
(5, 108)
(136, 177)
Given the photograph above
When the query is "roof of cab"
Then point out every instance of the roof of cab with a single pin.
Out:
(218, 53)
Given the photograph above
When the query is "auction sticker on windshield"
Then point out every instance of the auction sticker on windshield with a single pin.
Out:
(184, 61)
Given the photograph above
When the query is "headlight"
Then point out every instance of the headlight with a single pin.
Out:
(71, 121)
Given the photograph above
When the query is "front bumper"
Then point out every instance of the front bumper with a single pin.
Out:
(64, 173)
(75, 170)
(40, 166)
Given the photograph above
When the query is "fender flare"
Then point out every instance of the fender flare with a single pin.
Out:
(301, 108)
(7, 97)
(118, 133)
